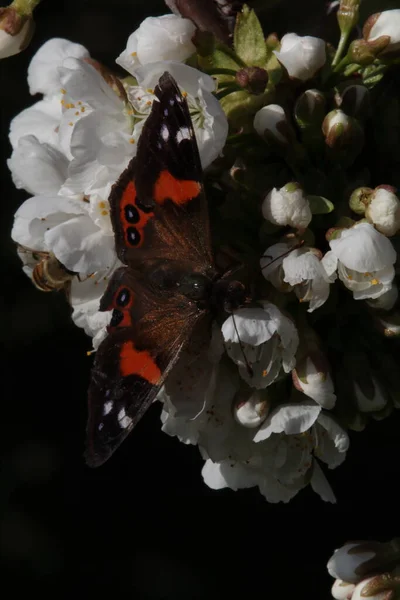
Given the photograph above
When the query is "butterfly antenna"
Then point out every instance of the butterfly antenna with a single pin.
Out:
(281, 255)
(248, 366)
(90, 352)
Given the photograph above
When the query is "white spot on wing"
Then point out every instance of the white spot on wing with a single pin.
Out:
(107, 407)
(123, 419)
(164, 133)
(183, 134)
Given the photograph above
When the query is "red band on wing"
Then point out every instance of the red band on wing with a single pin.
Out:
(180, 191)
(134, 362)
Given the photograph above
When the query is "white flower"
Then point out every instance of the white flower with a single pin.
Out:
(168, 37)
(364, 259)
(301, 269)
(342, 590)
(346, 561)
(304, 270)
(271, 121)
(268, 342)
(311, 376)
(383, 211)
(287, 206)
(384, 23)
(282, 464)
(302, 56)
(16, 31)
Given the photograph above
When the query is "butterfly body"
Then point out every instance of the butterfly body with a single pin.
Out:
(168, 284)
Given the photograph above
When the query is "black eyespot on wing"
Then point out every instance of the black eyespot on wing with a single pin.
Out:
(117, 317)
(133, 236)
(131, 214)
(123, 297)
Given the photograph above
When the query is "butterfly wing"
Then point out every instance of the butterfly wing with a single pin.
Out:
(148, 329)
(158, 206)
(160, 221)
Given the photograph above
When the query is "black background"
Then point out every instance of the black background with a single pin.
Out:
(144, 525)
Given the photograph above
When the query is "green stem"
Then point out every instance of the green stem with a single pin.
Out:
(25, 7)
(228, 88)
(340, 49)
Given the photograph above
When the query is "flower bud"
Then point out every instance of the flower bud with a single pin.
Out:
(344, 136)
(351, 562)
(354, 100)
(254, 79)
(347, 15)
(309, 109)
(271, 123)
(287, 206)
(390, 324)
(383, 210)
(386, 23)
(342, 590)
(364, 53)
(250, 411)
(311, 377)
(379, 587)
(168, 37)
(359, 200)
(16, 31)
(302, 56)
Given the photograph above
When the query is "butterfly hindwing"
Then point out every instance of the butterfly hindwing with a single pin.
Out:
(148, 329)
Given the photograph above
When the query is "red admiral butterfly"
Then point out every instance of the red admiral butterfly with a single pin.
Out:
(169, 282)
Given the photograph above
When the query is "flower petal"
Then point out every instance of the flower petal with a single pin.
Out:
(43, 74)
(289, 418)
(81, 246)
(362, 248)
(39, 168)
(39, 214)
(320, 484)
(41, 120)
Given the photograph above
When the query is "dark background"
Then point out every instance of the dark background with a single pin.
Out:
(144, 525)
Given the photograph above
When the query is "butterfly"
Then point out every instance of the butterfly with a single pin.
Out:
(169, 283)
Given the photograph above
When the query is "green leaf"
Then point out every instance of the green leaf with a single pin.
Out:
(320, 205)
(249, 42)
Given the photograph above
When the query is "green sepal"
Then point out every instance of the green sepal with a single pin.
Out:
(320, 205)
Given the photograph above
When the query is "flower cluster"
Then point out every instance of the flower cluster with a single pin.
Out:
(294, 191)
(366, 569)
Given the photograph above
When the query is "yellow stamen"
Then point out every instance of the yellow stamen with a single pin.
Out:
(184, 94)
(104, 213)
(77, 113)
(63, 91)
(150, 91)
(70, 123)
(132, 141)
(374, 281)
(83, 109)
(102, 204)
(133, 53)
(265, 373)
